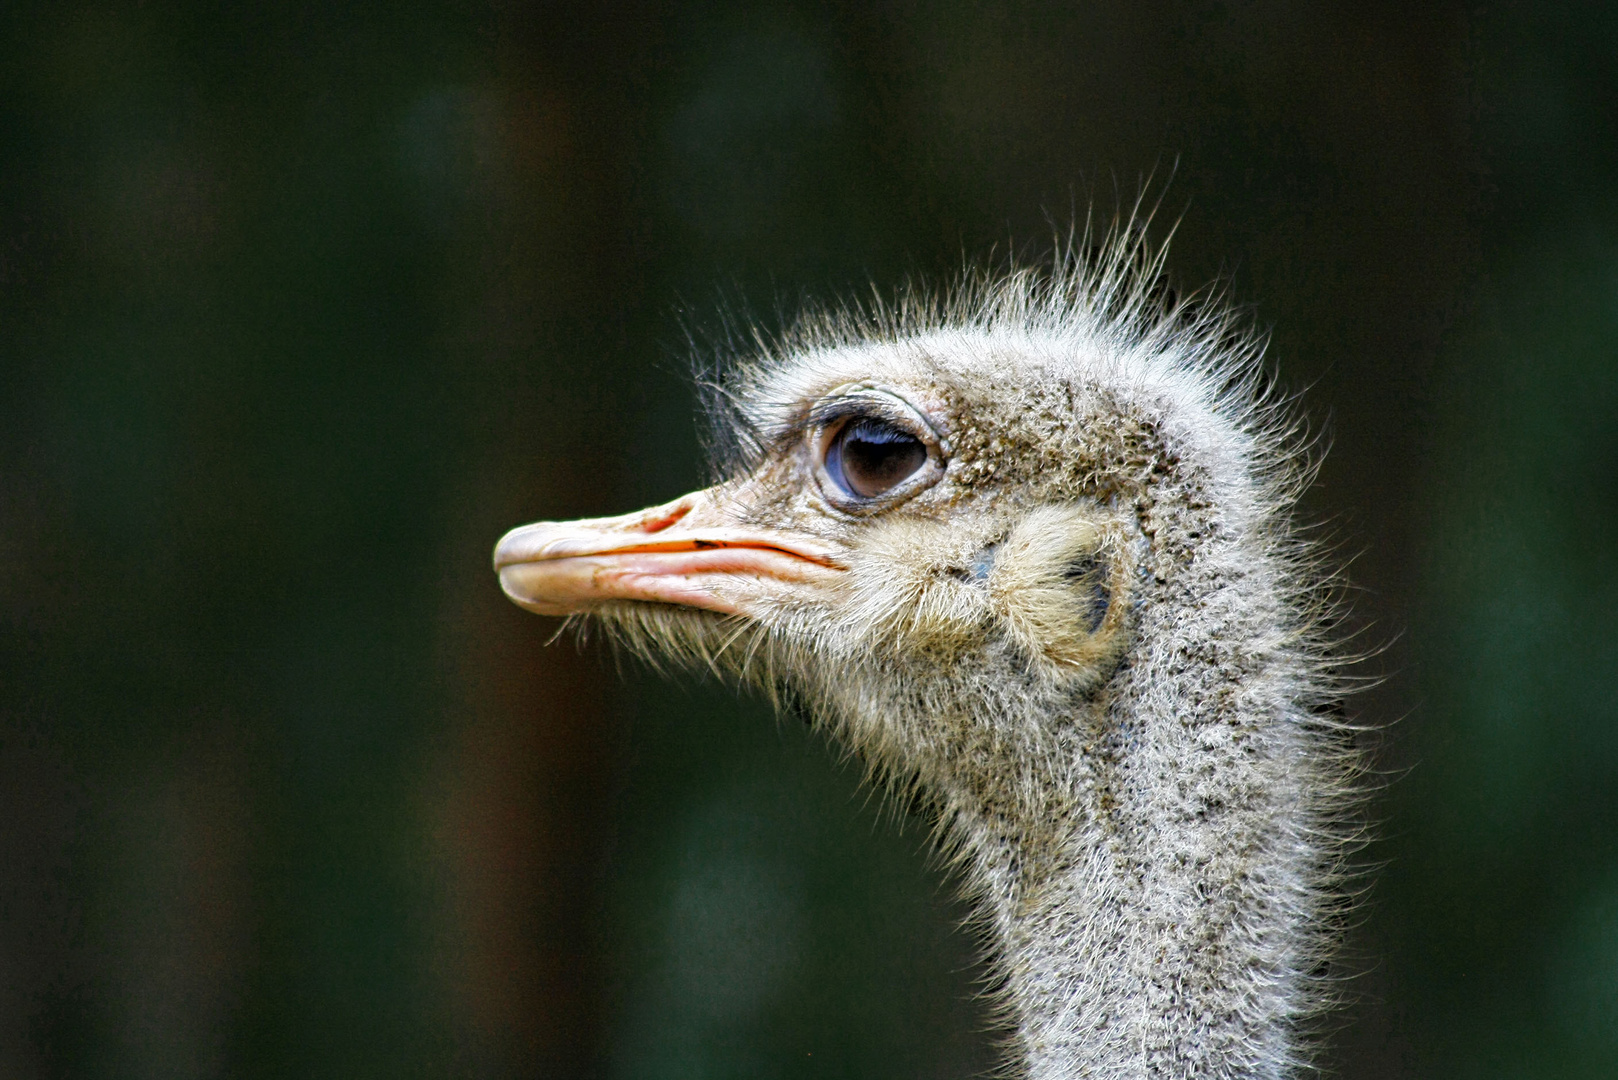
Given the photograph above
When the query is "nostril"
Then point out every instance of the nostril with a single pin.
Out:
(658, 523)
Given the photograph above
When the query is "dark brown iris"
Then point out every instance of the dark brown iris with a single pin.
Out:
(870, 457)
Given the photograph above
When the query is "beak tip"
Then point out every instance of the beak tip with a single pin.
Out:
(507, 549)
(507, 587)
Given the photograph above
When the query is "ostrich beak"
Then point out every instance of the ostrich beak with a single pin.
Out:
(685, 552)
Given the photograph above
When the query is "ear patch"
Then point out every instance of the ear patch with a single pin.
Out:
(1057, 583)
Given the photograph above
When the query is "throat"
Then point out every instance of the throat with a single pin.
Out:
(1136, 940)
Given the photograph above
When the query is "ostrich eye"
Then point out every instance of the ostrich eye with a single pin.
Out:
(870, 449)
(870, 457)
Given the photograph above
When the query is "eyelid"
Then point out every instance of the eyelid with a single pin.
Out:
(827, 414)
(863, 400)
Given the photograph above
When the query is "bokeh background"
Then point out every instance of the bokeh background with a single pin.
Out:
(302, 305)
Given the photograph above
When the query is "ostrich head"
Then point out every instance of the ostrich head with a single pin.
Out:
(1027, 552)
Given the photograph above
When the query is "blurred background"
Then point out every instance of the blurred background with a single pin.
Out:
(302, 305)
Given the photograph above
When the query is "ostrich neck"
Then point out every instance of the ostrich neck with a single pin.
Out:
(1151, 907)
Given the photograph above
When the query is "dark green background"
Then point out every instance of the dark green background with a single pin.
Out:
(301, 306)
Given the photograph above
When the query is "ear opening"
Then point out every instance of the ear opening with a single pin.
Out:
(1058, 586)
(1092, 573)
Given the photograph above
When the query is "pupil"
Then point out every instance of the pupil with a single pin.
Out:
(875, 457)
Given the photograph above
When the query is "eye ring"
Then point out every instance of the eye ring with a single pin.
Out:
(871, 449)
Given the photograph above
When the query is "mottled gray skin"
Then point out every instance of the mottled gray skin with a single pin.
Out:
(1129, 763)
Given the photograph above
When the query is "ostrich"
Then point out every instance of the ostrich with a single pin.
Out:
(1027, 551)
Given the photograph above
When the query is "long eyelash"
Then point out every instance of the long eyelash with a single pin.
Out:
(872, 430)
(825, 413)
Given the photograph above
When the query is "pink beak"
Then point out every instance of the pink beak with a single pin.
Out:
(684, 552)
